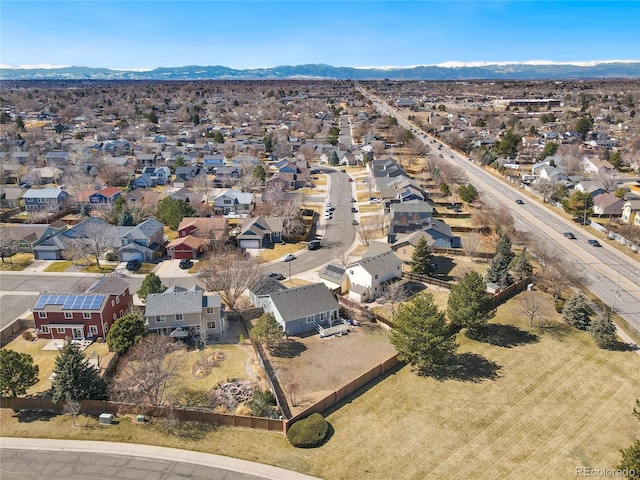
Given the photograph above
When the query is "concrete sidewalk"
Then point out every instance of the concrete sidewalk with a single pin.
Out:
(157, 453)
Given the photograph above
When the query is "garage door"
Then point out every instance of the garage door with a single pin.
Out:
(126, 256)
(250, 244)
(180, 254)
(46, 256)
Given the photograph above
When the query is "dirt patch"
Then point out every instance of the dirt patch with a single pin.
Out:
(203, 368)
(326, 364)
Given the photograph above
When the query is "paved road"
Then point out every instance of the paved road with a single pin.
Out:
(608, 273)
(29, 458)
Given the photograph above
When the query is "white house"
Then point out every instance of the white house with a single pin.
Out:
(368, 276)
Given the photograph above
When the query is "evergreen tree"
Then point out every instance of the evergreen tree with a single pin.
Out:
(334, 160)
(17, 373)
(74, 377)
(469, 304)
(126, 219)
(500, 265)
(259, 173)
(267, 330)
(171, 211)
(604, 330)
(421, 335)
(125, 332)
(521, 266)
(150, 284)
(631, 456)
(576, 312)
(421, 258)
(468, 193)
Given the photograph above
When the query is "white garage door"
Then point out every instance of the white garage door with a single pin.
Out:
(250, 244)
(126, 256)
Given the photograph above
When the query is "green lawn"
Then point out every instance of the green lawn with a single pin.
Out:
(531, 405)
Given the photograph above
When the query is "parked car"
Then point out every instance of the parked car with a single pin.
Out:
(594, 243)
(287, 257)
(353, 200)
(314, 245)
(569, 235)
(350, 179)
(133, 265)
(374, 200)
(354, 222)
(354, 210)
(275, 275)
(185, 264)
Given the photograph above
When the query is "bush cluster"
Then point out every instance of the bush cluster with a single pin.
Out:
(310, 432)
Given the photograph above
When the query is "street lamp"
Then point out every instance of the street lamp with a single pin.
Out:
(615, 294)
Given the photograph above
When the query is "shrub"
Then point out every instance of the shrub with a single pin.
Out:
(308, 433)
(111, 257)
(27, 335)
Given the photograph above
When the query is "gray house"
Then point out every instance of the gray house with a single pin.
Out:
(181, 312)
(301, 309)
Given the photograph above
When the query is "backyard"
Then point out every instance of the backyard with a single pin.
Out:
(542, 402)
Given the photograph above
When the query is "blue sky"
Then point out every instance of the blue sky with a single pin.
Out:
(245, 34)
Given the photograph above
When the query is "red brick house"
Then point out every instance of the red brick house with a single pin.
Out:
(82, 316)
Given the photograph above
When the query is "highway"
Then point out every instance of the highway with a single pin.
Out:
(610, 275)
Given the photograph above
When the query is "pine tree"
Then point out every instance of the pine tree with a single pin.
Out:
(421, 335)
(604, 330)
(500, 265)
(576, 312)
(504, 247)
(469, 304)
(17, 373)
(521, 266)
(421, 258)
(150, 284)
(125, 219)
(74, 377)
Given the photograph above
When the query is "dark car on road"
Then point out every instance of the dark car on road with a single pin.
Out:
(569, 235)
(277, 276)
(314, 245)
(594, 243)
(519, 202)
(133, 265)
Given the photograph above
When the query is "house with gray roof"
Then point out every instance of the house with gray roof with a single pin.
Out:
(370, 274)
(181, 312)
(409, 216)
(44, 199)
(234, 201)
(301, 309)
(259, 232)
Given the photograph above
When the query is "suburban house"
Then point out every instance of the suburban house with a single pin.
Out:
(142, 242)
(259, 232)
(409, 216)
(216, 227)
(140, 198)
(179, 312)
(11, 197)
(26, 236)
(82, 316)
(368, 276)
(44, 199)
(607, 205)
(106, 195)
(631, 212)
(226, 174)
(211, 163)
(12, 172)
(187, 247)
(300, 309)
(146, 159)
(596, 166)
(234, 201)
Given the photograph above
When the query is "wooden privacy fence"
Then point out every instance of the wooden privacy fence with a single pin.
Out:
(99, 406)
(14, 329)
(426, 279)
(340, 394)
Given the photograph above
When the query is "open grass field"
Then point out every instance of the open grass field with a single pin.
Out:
(59, 266)
(530, 404)
(17, 262)
(45, 359)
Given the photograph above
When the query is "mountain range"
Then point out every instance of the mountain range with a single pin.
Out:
(502, 71)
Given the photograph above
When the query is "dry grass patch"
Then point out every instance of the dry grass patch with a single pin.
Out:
(59, 266)
(233, 366)
(277, 250)
(16, 263)
(145, 268)
(45, 359)
(295, 282)
(103, 268)
(375, 208)
(171, 234)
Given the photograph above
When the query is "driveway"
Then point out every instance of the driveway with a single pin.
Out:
(171, 269)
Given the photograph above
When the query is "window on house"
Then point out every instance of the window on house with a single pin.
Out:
(179, 317)
(42, 314)
(86, 315)
(211, 324)
(310, 320)
(93, 329)
(376, 276)
(113, 303)
(209, 310)
(117, 299)
(61, 329)
(45, 329)
(68, 315)
(351, 272)
(160, 318)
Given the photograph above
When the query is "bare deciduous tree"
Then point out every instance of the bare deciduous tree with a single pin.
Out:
(534, 306)
(471, 243)
(149, 369)
(229, 271)
(559, 276)
(293, 393)
(95, 240)
(344, 257)
(72, 407)
(542, 252)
